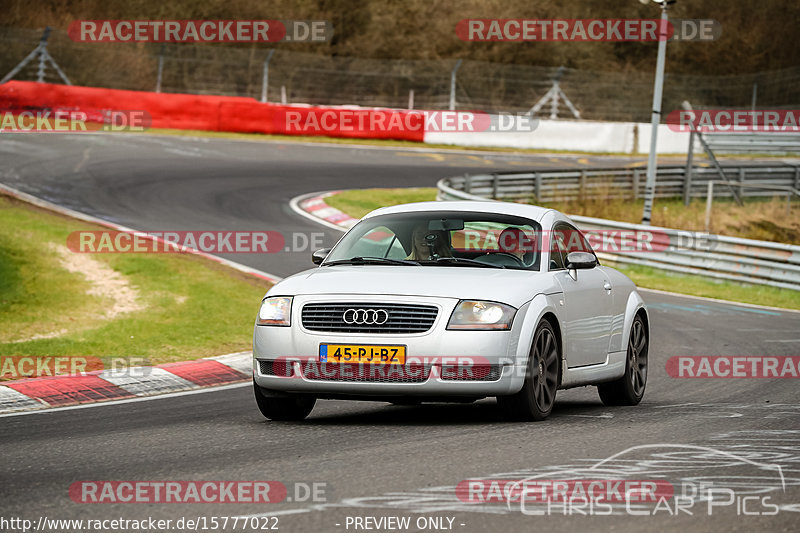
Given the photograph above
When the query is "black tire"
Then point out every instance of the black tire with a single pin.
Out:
(629, 389)
(538, 395)
(285, 409)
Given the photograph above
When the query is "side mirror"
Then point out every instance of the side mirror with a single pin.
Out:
(319, 256)
(580, 261)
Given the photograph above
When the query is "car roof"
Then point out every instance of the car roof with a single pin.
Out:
(532, 212)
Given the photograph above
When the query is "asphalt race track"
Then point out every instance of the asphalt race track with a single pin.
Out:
(378, 460)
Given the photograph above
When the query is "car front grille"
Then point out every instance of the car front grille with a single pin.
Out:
(280, 368)
(472, 373)
(349, 372)
(399, 318)
(366, 373)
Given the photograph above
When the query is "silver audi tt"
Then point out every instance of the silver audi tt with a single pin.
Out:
(452, 301)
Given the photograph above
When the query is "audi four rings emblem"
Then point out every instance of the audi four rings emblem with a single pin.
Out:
(365, 316)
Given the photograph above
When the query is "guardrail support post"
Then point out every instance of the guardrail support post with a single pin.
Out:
(797, 178)
(741, 181)
(709, 200)
(636, 184)
(495, 185)
(160, 68)
(467, 183)
(537, 190)
(265, 78)
(452, 105)
(582, 186)
(687, 179)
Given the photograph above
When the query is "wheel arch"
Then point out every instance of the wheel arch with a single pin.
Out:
(551, 317)
(634, 307)
(540, 307)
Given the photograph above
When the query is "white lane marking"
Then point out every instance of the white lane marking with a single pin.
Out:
(604, 415)
(455, 150)
(276, 513)
(128, 400)
(719, 301)
(783, 340)
(83, 161)
(294, 204)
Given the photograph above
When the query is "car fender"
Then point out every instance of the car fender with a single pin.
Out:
(533, 310)
(633, 305)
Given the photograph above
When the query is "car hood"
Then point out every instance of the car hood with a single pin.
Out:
(513, 287)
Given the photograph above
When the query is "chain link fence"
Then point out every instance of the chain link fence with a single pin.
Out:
(299, 77)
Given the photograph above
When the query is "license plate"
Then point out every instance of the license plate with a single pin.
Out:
(362, 353)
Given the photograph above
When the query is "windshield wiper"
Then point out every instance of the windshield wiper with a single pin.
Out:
(371, 261)
(464, 261)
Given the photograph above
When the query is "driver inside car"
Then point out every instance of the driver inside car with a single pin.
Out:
(514, 241)
(428, 244)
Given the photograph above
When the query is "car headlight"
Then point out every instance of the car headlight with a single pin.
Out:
(275, 311)
(473, 314)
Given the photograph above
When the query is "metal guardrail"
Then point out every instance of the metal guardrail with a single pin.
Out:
(753, 142)
(672, 181)
(712, 256)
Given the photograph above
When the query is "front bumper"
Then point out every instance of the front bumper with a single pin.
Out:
(440, 363)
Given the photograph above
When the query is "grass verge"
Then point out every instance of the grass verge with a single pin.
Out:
(162, 307)
(357, 203)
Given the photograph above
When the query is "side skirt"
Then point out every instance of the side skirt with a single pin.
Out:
(613, 368)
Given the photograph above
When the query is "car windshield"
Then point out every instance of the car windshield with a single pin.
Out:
(442, 239)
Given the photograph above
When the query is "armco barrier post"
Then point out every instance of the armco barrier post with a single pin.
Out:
(160, 68)
(582, 186)
(687, 179)
(265, 78)
(709, 200)
(741, 181)
(453, 84)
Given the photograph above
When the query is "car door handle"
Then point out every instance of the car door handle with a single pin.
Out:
(607, 286)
